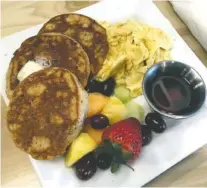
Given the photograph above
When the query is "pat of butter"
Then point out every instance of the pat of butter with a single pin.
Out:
(29, 68)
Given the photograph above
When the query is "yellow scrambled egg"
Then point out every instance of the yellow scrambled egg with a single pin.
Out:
(133, 48)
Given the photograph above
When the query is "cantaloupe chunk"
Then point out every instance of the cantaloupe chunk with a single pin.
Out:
(97, 101)
(95, 134)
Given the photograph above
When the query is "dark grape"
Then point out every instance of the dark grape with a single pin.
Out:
(104, 161)
(155, 122)
(108, 87)
(86, 167)
(99, 121)
(146, 135)
(93, 85)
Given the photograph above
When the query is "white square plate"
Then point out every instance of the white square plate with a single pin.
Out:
(178, 141)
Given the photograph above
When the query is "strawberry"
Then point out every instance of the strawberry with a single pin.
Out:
(123, 141)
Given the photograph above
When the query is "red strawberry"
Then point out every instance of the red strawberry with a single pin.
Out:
(123, 141)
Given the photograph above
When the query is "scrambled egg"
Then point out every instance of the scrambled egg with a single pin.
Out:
(133, 48)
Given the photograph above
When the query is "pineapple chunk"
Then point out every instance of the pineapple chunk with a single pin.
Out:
(115, 110)
(81, 146)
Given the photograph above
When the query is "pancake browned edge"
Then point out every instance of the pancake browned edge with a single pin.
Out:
(86, 31)
(46, 112)
(51, 49)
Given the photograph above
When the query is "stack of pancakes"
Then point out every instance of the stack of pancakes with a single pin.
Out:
(47, 109)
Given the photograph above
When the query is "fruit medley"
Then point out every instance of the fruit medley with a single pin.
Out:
(113, 134)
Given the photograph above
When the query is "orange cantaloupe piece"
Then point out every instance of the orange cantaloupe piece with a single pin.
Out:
(96, 103)
(95, 134)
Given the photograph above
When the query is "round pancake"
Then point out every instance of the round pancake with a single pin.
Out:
(46, 112)
(89, 33)
(51, 49)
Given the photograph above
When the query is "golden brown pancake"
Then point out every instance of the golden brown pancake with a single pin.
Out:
(51, 49)
(46, 112)
(91, 35)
